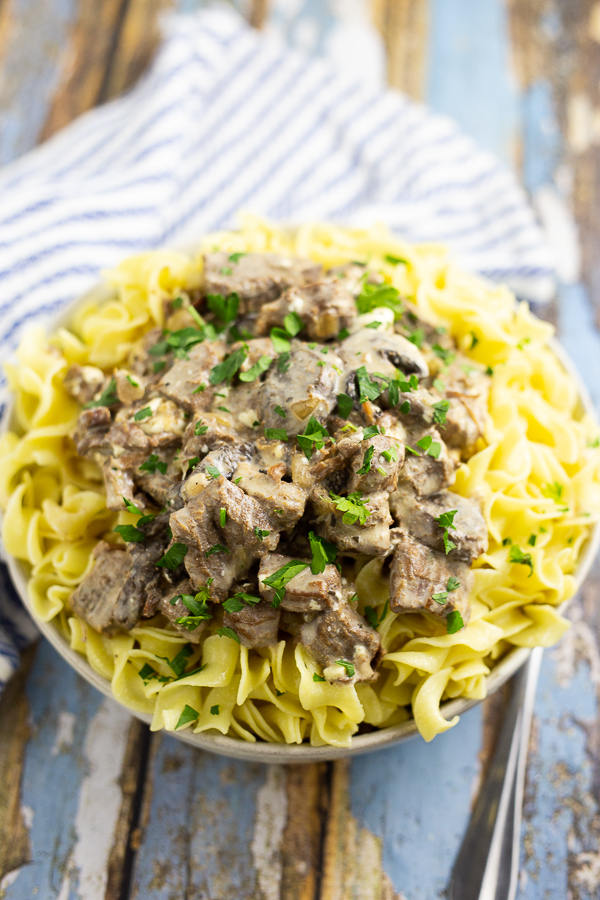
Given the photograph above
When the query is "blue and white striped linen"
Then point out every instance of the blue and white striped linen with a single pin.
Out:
(227, 119)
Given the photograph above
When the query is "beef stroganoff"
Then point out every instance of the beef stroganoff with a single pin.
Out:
(298, 484)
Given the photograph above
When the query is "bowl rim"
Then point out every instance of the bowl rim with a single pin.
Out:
(262, 751)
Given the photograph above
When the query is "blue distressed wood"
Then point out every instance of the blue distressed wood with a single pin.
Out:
(416, 797)
(53, 775)
(198, 840)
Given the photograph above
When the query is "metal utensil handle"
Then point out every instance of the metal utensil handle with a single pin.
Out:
(487, 865)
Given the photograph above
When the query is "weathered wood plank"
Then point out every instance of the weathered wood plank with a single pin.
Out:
(15, 731)
(71, 796)
(212, 827)
(404, 27)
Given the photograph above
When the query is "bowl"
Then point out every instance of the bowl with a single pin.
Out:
(301, 753)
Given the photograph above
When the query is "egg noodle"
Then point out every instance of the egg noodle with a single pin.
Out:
(536, 475)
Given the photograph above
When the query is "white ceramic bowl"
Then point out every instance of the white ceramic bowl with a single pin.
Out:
(300, 753)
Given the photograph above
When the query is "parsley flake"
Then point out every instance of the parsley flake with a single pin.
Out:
(281, 412)
(226, 370)
(188, 715)
(173, 557)
(516, 555)
(368, 389)
(130, 533)
(260, 533)
(142, 414)
(226, 631)
(348, 666)
(323, 552)
(352, 506)
(153, 464)
(454, 622)
(317, 677)
(214, 710)
(367, 461)
(276, 434)
(108, 397)
(200, 428)
(279, 579)
(216, 548)
(257, 369)
(345, 405)
(441, 408)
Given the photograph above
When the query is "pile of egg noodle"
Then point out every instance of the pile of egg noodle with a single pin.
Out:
(536, 476)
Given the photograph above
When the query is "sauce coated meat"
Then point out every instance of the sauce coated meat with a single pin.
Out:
(271, 440)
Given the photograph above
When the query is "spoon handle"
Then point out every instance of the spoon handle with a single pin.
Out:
(487, 865)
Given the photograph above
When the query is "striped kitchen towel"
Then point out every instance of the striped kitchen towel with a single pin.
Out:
(227, 119)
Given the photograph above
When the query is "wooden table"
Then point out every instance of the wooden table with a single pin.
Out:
(91, 805)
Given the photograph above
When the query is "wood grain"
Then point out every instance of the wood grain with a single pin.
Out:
(15, 850)
(404, 27)
(307, 802)
(560, 46)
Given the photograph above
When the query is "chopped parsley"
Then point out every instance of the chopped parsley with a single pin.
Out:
(352, 506)
(446, 521)
(516, 555)
(222, 516)
(405, 408)
(276, 434)
(345, 405)
(153, 464)
(445, 355)
(373, 296)
(323, 552)
(370, 432)
(226, 631)
(173, 557)
(226, 270)
(235, 257)
(158, 366)
(440, 410)
(371, 615)
(417, 337)
(130, 533)
(281, 340)
(532, 539)
(429, 446)
(453, 583)
(214, 710)
(108, 397)
(200, 428)
(281, 412)
(348, 666)
(367, 461)
(397, 386)
(232, 605)
(293, 324)
(132, 381)
(313, 438)
(283, 361)
(395, 260)
(344, 333)
(368, 389)
(317, 677)
(226, 370)
(200, 389)
(191, 463)
(257, 369)
(391, 455)
(279, 579)
(373, 324)
(250, 599)
(439, 385)
(188, 715)
(217, 548)
(454, 622)
(553, 491)
(260, 534)
(213, 472)
(144, 413)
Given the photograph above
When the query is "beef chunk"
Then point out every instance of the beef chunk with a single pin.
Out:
(144, 575)
(180, 383)
(467, 389)
(372, 538)
(219, 430)
(307, 388)
(92, 428)
(418, 572)
(178, 610)
(198, 525)
(95, 599)
(256, 626)
(424, 473)
(118, 483)
(382, 472)
(284, 503)
(165, 489)
(84, 382)
(304, 592)
(341, 634)
(256, 278)
(418, 516)
(325, 308)
(382, 352)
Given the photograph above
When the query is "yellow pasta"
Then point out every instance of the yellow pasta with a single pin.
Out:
(536, 475)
